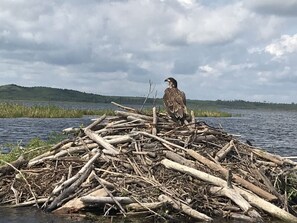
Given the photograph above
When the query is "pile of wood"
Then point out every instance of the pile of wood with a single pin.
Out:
(146, 164)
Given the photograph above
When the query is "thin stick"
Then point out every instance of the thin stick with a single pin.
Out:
(22, 175)
(110, 194)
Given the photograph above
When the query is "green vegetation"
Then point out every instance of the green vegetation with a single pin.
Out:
(15, 92)
(209, 113)
(34, 148)
(15, 110)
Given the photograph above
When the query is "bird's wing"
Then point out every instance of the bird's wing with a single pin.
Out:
(174, 102)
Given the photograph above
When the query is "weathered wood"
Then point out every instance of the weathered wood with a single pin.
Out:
(224, 151)
(253, 199)
(68, 151)
(161, 140)
(179, 159)
(237, 199)
(98, 121)
(91, 200)
(184, 208)
(124, 107)
(144, 206)
(50, 153)
(140, 116)
(83, 170)
(98, 139)
(216, 167)
(267, 156)
(77, 204)
(155, 120)
(57, 201)
(7, 169)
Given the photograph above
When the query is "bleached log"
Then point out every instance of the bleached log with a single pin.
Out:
(155, 119)
(126, 114)
(77, 204)
(120, 139)
(179, 159)
(205, 138)
(98, 139)
(224, 151)
(266, 155)
(29, 203)
(76, 176)
(62, 143)
(216, 167)
(237, 199)
(51, 152)
(184, 208)
(98, 121)
(58, 201)
(124, 107)
(160, 139)
(6, 169)
(62, 153)
(143, 206)
(251, 198)
(91, 200)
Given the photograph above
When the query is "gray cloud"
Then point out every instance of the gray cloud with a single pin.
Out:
(215, 49)
(280, 8)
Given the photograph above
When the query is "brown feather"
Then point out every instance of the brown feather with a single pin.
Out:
(175, 103)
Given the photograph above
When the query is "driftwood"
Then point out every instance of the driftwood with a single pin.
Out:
(136, 163)
(184, 208)
(216, 167)
(237, 199)
(7, 169)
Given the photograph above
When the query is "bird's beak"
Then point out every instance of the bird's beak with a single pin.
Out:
(166, 80)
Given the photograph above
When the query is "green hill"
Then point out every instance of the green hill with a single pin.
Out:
(15, 92)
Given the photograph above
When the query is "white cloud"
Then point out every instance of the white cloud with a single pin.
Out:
(286, 44)
(115, 47)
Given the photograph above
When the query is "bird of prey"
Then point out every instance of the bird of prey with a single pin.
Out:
(175, 101)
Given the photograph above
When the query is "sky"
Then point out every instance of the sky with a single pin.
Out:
(215, 49)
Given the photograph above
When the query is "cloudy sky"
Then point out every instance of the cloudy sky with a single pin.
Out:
(216, 49)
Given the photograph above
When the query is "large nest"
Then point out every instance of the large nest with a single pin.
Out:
(135, 163)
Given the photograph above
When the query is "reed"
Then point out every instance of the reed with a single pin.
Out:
(15, 110)
(33, 148)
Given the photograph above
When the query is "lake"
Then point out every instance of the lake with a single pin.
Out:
(275, 131)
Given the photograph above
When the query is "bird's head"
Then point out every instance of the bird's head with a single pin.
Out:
(172, 82)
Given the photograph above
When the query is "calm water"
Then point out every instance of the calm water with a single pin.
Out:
(275, 131)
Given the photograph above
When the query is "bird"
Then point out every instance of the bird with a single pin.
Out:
(175, 102)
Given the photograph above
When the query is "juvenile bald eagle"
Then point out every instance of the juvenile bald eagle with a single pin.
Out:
(175, 101)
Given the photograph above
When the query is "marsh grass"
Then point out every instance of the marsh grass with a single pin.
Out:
(35, 147)
(206, 113)
(15, 110)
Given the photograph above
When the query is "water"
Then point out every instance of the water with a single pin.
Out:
(21, 130)
(274, 131)
(32, 215)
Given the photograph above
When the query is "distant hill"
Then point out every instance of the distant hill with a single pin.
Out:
(15, 92)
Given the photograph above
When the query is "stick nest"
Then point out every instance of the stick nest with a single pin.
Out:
(125, 159)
